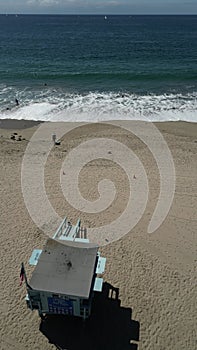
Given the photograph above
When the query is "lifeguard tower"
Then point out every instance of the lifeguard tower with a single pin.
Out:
(66, 273)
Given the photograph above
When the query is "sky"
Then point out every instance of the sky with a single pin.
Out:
(98, 6)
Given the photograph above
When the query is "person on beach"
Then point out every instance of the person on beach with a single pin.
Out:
(54, 138)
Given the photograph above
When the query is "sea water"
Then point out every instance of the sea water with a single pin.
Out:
(94, 68)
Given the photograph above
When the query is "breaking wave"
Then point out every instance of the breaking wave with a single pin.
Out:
(58, 105)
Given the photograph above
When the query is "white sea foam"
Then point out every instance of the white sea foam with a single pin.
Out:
(93, 107)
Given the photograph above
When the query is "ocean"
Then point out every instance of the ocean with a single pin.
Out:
(95, 68)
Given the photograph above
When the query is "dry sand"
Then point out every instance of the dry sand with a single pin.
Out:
(154, 272)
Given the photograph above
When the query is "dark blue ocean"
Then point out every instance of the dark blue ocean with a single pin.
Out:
(98, 68)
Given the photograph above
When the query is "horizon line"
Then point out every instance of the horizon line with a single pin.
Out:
(99, 14)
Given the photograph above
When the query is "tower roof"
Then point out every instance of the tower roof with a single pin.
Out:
(65, 267)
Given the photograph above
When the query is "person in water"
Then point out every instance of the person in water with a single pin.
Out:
(17, 103)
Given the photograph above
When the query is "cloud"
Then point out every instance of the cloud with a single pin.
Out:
(49, 2)
(80, 3)
(106, 6)
(111, 3)
(43, 2)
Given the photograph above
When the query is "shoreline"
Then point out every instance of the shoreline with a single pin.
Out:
(18, 124)
(9, 123)
(179, 128)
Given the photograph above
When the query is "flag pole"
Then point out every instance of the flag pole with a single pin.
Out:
(23, 275)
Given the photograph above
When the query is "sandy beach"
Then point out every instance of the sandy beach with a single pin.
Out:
(154, 272)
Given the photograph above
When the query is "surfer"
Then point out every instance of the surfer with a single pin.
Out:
(17, 103)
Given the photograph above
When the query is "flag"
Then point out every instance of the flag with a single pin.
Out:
(22, 274)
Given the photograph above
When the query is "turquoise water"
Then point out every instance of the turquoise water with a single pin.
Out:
(89, 68)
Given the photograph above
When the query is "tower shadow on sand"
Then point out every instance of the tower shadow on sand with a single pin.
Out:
(109, 327)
